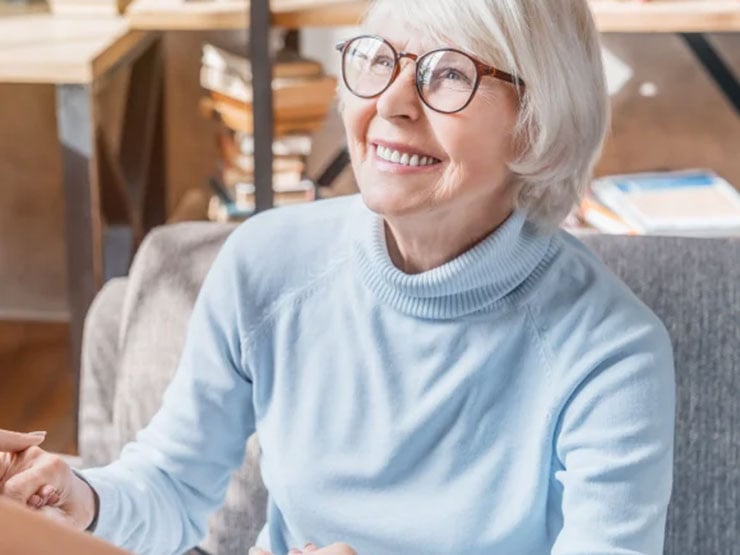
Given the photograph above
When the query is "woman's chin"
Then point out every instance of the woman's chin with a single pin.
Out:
(390, 203)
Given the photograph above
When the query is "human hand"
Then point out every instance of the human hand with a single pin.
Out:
(42, 481)
(334, 549)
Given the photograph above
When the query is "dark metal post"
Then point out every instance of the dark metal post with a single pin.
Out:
(84, 274)
(259, 53)
(715, 66)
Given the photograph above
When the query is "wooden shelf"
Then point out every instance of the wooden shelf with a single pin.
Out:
(667, 16)
(182, 15)
(43, 48)
(322, 13)
(174, 15)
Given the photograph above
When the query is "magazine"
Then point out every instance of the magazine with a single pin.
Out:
(691, 202)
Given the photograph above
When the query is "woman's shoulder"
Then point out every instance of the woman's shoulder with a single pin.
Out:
(282, 249)
(303, 230)
(586, 312)
(579, 279)
(298, 224)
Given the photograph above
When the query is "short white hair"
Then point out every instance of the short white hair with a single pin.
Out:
(553, 46)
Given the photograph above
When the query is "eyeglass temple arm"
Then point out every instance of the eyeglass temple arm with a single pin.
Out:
(504, 76)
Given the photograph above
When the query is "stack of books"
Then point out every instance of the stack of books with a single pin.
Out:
(690, 203)
(302, 97)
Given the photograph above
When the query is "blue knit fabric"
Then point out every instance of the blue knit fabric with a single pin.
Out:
(516, 400)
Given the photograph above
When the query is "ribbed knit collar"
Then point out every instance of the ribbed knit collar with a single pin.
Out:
(477, 280)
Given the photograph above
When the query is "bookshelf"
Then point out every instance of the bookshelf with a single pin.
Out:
(691, 19)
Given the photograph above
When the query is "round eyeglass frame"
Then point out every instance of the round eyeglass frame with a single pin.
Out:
(482, 70)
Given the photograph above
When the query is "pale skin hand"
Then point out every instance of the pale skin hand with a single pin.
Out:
(43, 481)
(46, 483)
(334, 549)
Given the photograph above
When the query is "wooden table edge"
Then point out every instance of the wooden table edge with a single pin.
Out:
(624, 17)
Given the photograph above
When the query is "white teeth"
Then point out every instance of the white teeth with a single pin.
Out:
(404, 158)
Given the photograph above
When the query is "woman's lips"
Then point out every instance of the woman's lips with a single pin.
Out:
(400, 157)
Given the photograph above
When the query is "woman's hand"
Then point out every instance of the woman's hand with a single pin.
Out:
(334, 549)
(43, 481)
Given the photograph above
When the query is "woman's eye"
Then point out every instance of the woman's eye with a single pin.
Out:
(454, 75)
(383, 61)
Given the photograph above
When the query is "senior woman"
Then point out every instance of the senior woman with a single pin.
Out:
(432, 367)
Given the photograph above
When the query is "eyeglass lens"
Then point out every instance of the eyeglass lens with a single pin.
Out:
(446, 79)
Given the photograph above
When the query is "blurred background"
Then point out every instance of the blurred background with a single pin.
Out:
(117, 116)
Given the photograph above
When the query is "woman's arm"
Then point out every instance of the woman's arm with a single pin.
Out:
(614, 448)
(157, 497)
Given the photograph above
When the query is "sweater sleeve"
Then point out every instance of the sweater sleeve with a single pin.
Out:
(157, 497)
(614, 449)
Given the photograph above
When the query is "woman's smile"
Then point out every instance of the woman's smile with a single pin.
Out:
(401, 159)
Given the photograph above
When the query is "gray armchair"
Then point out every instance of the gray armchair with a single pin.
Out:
(135, 331)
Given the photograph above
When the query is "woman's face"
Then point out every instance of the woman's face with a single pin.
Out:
(470, 149)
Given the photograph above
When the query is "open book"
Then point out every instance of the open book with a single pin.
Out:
(25, 532)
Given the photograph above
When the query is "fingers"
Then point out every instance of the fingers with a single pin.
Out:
(334, 549)
(23, 487)
(39, 480)
(49, 495)
(13, 464)
(46, 496)
(337, 549)
(13, 442)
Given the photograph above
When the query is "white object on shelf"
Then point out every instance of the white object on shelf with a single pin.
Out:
(690, 202)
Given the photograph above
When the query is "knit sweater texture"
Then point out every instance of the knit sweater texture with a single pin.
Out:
(518, 399)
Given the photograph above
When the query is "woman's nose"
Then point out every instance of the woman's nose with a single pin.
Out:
(400, 99)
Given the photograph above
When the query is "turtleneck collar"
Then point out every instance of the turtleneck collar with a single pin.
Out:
(477, 280)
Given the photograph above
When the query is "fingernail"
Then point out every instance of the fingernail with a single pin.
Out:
(37, 434)
(295, 551)
(310, 547)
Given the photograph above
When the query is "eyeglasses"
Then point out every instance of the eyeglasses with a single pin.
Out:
(446, 78)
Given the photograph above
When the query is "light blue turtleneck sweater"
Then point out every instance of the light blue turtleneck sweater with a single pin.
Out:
(516, 400)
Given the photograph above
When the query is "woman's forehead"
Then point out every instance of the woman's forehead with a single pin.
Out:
(402, 26)
(413, 22)
(406, 36)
